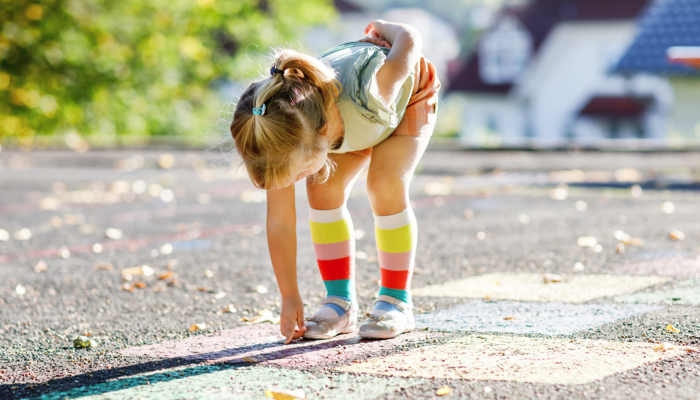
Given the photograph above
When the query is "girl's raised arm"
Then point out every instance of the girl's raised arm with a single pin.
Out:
(406, 44)
(282, 243)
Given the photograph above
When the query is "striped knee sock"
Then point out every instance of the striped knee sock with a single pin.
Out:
(334, 242)
(396, 241)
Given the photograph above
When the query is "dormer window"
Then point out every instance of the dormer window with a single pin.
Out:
(504, 51)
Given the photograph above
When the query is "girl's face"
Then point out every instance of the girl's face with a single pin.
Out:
(312, 166)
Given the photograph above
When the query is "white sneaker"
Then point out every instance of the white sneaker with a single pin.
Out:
(318, 327)
(391, 324)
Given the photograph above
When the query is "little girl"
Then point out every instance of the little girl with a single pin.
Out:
(371, 102)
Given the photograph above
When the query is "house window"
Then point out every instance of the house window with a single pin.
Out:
(504, 52)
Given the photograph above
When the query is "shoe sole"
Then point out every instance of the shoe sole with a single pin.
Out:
(380, 336)
(328, 335)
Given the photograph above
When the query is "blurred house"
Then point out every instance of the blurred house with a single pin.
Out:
(440, 38)
(666, 24)
(540, 76)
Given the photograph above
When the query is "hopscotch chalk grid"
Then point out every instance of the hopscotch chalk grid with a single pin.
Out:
(525, 318)
(531, 287)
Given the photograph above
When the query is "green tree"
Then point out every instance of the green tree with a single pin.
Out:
(108, 68)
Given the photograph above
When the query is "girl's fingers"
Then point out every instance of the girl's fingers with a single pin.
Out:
(287, 332)
(300, 321)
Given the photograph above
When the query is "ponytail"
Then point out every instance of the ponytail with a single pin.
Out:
(279, 120)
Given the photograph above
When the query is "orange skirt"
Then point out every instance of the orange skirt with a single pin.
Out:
(420, 116)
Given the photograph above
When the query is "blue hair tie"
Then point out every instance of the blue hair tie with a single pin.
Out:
(259, 110)
(274, 70)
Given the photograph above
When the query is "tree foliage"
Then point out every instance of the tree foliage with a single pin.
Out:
(106, 67)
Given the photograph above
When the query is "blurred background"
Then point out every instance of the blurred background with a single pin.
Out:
(526, 74)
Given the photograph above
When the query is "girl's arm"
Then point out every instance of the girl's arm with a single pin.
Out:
(406, 44)
(282, 243)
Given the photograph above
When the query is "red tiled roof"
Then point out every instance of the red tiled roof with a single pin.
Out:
(539, 18)
(601, 106)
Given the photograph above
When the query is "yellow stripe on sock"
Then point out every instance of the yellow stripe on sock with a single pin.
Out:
(398, 240)
(333, 232)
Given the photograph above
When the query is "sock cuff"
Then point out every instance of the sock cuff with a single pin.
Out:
(329, 216)
(394, 221)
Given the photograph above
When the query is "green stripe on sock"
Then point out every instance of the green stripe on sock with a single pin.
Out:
(341, 287)
(403, 295)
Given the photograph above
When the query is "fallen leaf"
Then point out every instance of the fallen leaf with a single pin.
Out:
(633, 241)
(250, 359)
(41, 266)
(114, 233)
(663, 347)
(587, 241)
(263, 316)
(127, 287)
(670, 328)
(229, 309)
(261, 289)
(620, 248)
(204, 289)
(142, 270)
(552, 278)
(279, 394)
(443, 391)
(141, 285)
(82, 342)
(197, 327)
(509, 318)
(620, 235)
(166, 275)
(675, 234)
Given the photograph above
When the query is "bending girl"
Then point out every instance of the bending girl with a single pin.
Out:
(371, 102)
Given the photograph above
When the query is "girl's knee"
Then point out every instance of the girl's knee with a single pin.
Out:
(325, 196)
(387, 191)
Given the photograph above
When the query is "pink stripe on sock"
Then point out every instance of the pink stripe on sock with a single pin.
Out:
(396, 261)
(333, 251)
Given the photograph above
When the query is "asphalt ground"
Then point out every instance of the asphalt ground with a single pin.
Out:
(481, 216)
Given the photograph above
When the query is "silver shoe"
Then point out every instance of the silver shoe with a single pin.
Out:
(326, 328)
(391, 324)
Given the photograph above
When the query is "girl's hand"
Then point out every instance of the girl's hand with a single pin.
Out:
(374, 29)
(292, 314)
(379, 41)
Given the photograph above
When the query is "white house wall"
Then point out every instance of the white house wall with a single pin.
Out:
(686, 113)
(490, 120)
(571, 67)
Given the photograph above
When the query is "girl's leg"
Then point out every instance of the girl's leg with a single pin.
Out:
(333, 236)
(392, 166)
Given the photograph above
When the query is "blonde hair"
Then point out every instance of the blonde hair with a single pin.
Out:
(290, 131)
